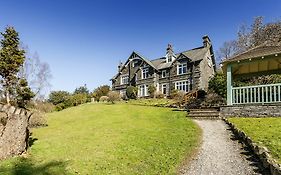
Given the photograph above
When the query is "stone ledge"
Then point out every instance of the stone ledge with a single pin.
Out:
(262, 152)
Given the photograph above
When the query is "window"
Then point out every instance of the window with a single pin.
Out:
(125, 79)
(143, 90)
(169, 58)
(164, 89)
(134, 63)
(182, 86)
(164, 73)
(144, 73)
(182, 68)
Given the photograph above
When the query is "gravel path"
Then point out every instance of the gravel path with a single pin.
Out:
(219, 154)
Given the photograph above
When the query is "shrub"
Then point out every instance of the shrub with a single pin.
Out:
(217, 84)
(113, 96)
(37, 119)
(151, 90)
(213, 99)
(174, 92)
(132, 92)
(179, 96)
(78, 99)
(159, 94)
(57, 97)
(100, 91)
(60, 107)
(103, 99)
(42, 106)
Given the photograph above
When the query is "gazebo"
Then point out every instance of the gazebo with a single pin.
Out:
(262, 60)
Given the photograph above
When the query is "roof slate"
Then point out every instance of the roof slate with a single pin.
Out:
(256, 52)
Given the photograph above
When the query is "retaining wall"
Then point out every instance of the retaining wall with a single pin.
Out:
(251, 111)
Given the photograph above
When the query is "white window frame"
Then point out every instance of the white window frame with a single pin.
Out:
(145, 71)
(143, 90)
(180, 68)
(164, 72)
(123, 79)
(183, 85)
(166, 86)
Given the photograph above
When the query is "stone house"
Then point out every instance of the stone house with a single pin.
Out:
(185, 71)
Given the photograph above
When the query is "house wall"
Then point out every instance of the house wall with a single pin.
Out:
(207, 71)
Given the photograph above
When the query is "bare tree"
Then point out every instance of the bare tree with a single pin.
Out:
(249, 37)
(37, 73)
(227, 50)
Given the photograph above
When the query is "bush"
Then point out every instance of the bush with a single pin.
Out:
(113, 96)
(103, 99)
(57, 97)
(60, 107)
(132, 92)
(37, 119)
(78, 99)
(213, 100)
(257, 80)
(151, 90)
(159, 94)
(217, 84)
(100, 91)
(174, 92)
(42, 106)
(179, 97)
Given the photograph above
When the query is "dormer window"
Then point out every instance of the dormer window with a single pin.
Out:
(164, 73)
(144, 73)
(182, 68)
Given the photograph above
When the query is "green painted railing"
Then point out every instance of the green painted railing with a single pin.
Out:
(269, 93)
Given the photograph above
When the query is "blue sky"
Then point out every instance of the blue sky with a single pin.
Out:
(83, 41)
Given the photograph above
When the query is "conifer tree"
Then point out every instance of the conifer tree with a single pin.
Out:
(11, 59)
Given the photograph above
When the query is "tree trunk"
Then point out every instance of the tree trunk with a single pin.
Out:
(8, 97)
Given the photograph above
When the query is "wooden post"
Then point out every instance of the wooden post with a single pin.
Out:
(229, 84)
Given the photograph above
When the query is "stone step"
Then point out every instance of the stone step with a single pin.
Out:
(196, 112)
(208, 113)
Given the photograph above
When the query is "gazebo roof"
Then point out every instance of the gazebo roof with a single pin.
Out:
(257, 52)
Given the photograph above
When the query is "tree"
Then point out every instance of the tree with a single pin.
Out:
(57, 97)
(24, 93)
(11, 59)
(255, 35)
(101, 91)
(227, 50)
(37, 73)
(82, 90)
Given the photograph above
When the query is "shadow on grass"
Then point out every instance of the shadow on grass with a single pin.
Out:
(31, 141)
(25, 166)
(250, 156)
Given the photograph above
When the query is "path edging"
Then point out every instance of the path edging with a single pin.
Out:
(262, 152)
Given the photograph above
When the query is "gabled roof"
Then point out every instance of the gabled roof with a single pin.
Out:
(256, 52)
(193, 54)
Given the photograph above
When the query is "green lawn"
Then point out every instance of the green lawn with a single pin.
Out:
(109, 139)
(264, 131)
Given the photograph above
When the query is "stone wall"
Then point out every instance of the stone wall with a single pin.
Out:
(251, 111)
(14, 131)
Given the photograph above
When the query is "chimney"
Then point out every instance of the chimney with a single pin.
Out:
(170, 56)
(206, 41)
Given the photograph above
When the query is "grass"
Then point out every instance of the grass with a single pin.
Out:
(162, 102)
(109, 139)
(264, 131)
